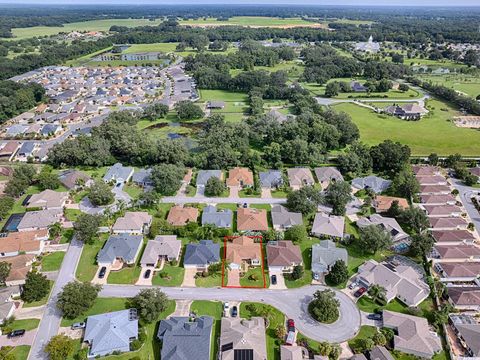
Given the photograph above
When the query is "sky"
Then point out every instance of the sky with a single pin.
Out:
(258, 2)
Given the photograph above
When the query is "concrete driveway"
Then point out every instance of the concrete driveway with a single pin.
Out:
(266, 193)
(182, 308)
(280, 281)
(141, 279)
(189, 278)
(233, 277)
(234, 191)
(97, 280)
(26, 339)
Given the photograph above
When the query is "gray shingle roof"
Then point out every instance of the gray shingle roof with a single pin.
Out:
(221, 218)
(120, 246)
(142, 176)
(325, 254)
(375, 183)
(118, 172)
(185, 340)
(205, 252)
(328, 173)
(204, 175)
(271, 178)
(283, 218)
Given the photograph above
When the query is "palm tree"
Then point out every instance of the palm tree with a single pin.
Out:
(377, 292)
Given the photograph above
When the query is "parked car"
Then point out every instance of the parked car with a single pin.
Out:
(245, 205)
(16, 333)
(353, 285)
(360, 292)
(102, 272)
(79, 325)
(290, 338)
(274, 279)
(234, 311)
(118, 184)
(374, 316)
(291, 325)
(147, 274)
(316, 277)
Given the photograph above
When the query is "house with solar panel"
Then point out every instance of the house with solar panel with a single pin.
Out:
(242, 339)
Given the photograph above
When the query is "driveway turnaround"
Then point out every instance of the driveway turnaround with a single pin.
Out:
(293, 303)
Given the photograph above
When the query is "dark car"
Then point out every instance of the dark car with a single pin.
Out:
(360, 292)
(274, 279)
(374, 316)
(118, 185)
(102, 272)
(147, 274)
(234, 311)
(16, 333)
(291, 325)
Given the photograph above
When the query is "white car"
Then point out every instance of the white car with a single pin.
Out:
(226, 306)
(353, 285)
(316, 276)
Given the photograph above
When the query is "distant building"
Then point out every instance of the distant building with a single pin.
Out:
(369, 47)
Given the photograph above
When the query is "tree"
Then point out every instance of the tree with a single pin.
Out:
(76, 298)
(297, 272)
(332, 89)
(48, 180)
(389, 157)
(470, 179)
(364, 345)
(100, 194)
(280, 332)
(305, 200)
(86, 227)
(324, 348)
(388, 333)
(214, 187)
(187, 110)
(433, 159)
(21, 179)
(6, 205)
(377, 293)
(166, 178)
(36, 287)
(379, 339)
(296, 233)
(55, 230)
(324, 306)
(405, 184)
(155, 111)
(374, 238)
(338, 195)
(150, 303)
(421, 244)
(59, 347)
(415, 218)
(6, 353)
(394, 211)
(4, 271)
(403, 87)
(338, 273)
(335, 352)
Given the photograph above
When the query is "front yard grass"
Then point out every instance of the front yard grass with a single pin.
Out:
(87, 265)
(72, 214)
(365, 303)
(25, 324)
(53, 261)
(175, 276)
(255, 272)
(42, 301)
(128, 275)
(215, 310)
(20, 352)
(366, 332)
(213, 280)
(133, 190)
(100, 306)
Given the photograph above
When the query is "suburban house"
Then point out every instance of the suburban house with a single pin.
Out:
(292, 352)
(409, 111)
(447, 223)
(181, 216)
(118, 173)
(357, 87)
(215, 105)
(142, 177)
(453, 237)
(39, 220)
(434, 190)
(300, 177)
(271, 179)
(328, 226)
(7, 304)
(412, 334)
(8, 150)
(162, 248)
(380, 353)
(243, 339)
(26, 242)
(134, 223)
(327, 174)
(442, 210)
(276, 115)
(241, 177)
(111, 332)
(283, 256)
(283, 219)
(73, 179)
(467, 329)
(242, 252)
(120, 249)
(448, 199)
(402, 281)
(388, 224)
(374, 183)
(325, 254)
(186, 339)
(250, 219)
(204, 175)
(383, 203)
(457, 271)
(432, 180)
(464, 297)
(200, 256)
(425, 170)
(48, 200)
(220, 218)
(458, 253)
(20, 266)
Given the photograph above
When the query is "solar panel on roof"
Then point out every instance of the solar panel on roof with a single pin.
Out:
(243, 354)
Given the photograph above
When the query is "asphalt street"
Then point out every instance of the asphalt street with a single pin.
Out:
(465, 193)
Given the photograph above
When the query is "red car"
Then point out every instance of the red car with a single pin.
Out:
(291, 325)
(360, 292)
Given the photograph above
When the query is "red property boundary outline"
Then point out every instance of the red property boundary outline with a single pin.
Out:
(225, 241)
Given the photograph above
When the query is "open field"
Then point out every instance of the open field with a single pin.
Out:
(433, 133)
(93, 25)
(253, 21)
(467, 84)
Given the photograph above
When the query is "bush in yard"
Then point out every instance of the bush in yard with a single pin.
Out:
(388, 333)
(324, 306)
(214, 187)
(280, 332)
(59, 347)
(338, 273)
(379, 339)
(76, 298)
(297, 272)
(135, 345)
(100, 194)
(6, 205)
(150, 303)
(374, 238)
(296, 233)
(86, 227)
(253, 277)
(36, 287)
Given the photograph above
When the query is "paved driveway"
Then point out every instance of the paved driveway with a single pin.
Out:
(97, 280)
(189, 278)
(233, 277)
(234, 191)
(26, 339)
(266, 193)
(280, 281)
(293, 303)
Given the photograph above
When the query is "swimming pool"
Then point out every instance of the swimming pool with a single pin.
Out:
(12, 222)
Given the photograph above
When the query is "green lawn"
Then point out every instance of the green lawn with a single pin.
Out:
(256, 21)
(175, 276)
(72, 214)
(128, 275)
(402, 356)
(87, 265)
(101, 305)
(366, 304)
(257, 272)
(67, 235)
(214, 280)
(20, 352)
(468, 84)
(41, 301)
(433, 133)
(276, 319)
(365, 332)
(215, 310)
(25, 324)
(133, 190)
(53, 261)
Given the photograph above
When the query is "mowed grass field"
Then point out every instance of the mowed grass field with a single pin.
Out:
(254, 21)
(93, 25)
(467, 84)
(433, 133)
